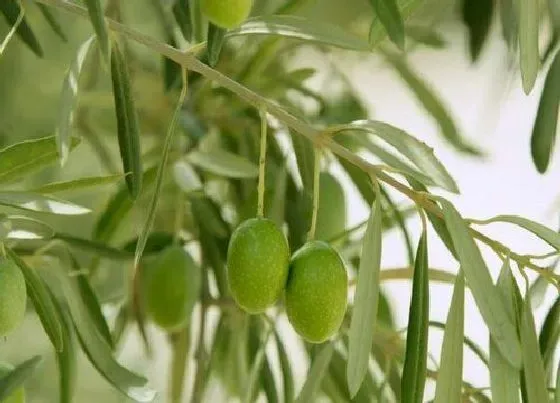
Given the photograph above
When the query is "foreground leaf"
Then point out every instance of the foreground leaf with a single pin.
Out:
(316, 373)
(41, 203)
(11, 11)
(491, 306)
(377, 30)
(529, 42)
(389, 15)
(470, 343)
(366, 299)
(15, 378)
(97, 19)
(78, 184)
(22, 159)
(223, 163)
(448, 386)
(550, 335)
(477, 15)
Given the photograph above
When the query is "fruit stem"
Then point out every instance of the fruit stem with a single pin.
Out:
(262, 164)
(316, 175)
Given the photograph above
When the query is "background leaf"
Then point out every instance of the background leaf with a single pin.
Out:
(11, 10)
(477, 15)
(28, 228)
(216, 37)
(528, 42)
(223, 163)
(40, 203)
(15, 378)
(316, 373)
(78, 184)
(388, 13)
(97, 19)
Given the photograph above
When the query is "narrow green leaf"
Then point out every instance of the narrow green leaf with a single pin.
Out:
(267, 382)
(504, 379)
(377, 31)
(557, 392)
(432, 104)
(388, 13)
(149, 222)
(28, 228)
(51, 20)
(42, 301)
(366, 299)
(97, 19)
(296, 27)
(98, 248)
(537, 290)
(477, 16)
(550, 335)
(216, 38)
(529, 42)
(21, 159)
(394, 214)
(15, 378)
(449, 382)
(67, 359)
(316, 373)
(533, 368)
(78, 184)
(156, 242)
(127, 122)
(509, 11)
(544, 131)
(416, 151)
(251, 386)
(490, 305)
(223, 163)
(68, 101)
(471, 344)
(286, 369)
(41, 203)
(305, 155)
(182, 13)
(11, 11)
(416, 359)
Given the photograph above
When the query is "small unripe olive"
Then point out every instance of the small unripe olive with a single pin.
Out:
(316, 292)
(226, 13)
(171, 288)
(257, 264)
(13, 296)
(331, 215)
(18, 396)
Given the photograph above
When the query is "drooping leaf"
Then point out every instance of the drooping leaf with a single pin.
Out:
(286, 369)
(127, 121)
(543, 136)
(97, 19)
(432, 104)
(467, 341)
(509, 12)
(66, 360)
(477, 15)
(251, 386)
(22, 159)
(395, 214)
(51, 20)
(223, 163)
(11, 11)
(216, 38)
(78, 184)
(550, 335)
(416, 359)
(296, 27)
(450, 375)
(316, 373)
(377, 31)
(41, 203)
(22, 227)
(387, 11)
(98, 248)
(16, 377)
(490, 305)
(528, 42)
(42, 301)
(68, 101)
(366, 299)
(182, 13)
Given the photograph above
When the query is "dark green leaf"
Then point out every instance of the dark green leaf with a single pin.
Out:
(51, 20)
(11, 10)
(223, 163)
(127, 121)
(528, 42)
(550, 335)
(15, 378)
(286, 368)
(509, 18)
(182, 13)
(28, 228)
(216, 37)
(448, 386)
(305, 156)
(544, 131)
(316, 373)
(388, 13)
(97, 18)
(477, 15)
(490, 305)
(78, 184)
(416, 359)
(41, 203)
(42, 301)
(156, 242)
(366, 299)
(22, 159)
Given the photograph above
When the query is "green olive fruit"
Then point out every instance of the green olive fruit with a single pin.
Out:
(171, 288)
(13, 296)
(331, 215)
(226, 13)
(257, 264)
(316, 292)
(18, 396)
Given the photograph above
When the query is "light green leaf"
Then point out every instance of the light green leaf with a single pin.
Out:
(550, 335)
(296, 27)
(377, 31)
(544, 131)
(78, 184)
(432, 104)
(97, 18)
(286, 368)
(529, 42)
(66, 360)
(537, 290)
(68, 101)
(127, 122)
(186, 177)
(11, 11)
(491, 306)
(416, 151)
(557, 392)
(216, 37)
(41, 203)
(316, 373)
(416, 358)
(389, 15)
(366, 300)
(504, 379)
(448, 386)
(42, 301)
(533, 368)
(223, 163)
(426, 36)
(98, 248)
(28, 228)
(16, 377)
(251, 386)
(470, 343)
(21, 159)
(305, 157)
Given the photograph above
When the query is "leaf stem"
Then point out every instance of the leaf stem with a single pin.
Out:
(262, 164)
(316, 192)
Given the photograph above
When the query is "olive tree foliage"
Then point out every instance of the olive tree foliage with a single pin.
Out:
(156, 139)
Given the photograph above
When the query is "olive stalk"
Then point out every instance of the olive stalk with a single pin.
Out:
(188, 60)
(316, 192)
(262, 165)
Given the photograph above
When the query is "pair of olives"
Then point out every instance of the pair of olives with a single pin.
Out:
(314, 279)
